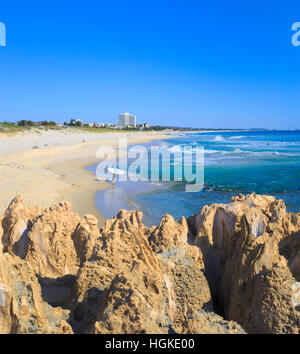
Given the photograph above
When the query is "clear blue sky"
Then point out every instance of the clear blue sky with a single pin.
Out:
(227, 64)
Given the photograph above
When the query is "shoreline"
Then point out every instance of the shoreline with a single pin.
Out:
(49, 175)
(110, 200)
(87, 180)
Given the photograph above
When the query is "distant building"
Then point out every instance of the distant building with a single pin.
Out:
(99, 125)
(143, 125)
(76, 122)
(45, 123)
(110, 125)
(127, 120)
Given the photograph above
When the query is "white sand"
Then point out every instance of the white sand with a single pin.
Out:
(55, 171)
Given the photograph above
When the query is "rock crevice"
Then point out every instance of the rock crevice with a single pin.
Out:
(230, 268)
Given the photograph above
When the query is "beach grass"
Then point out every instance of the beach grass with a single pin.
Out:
(10, 129)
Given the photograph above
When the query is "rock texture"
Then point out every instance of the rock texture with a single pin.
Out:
(130, 285)
(254, 244)
(231, 268)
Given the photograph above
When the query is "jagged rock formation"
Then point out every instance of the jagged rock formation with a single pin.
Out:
(60, 273)
(254, 244)
(22, 307)
(203, 322)
(166, 285)
(16, 222)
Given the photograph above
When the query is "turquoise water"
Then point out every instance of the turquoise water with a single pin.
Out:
(265, 162)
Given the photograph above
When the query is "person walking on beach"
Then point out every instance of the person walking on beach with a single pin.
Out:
(114, 172)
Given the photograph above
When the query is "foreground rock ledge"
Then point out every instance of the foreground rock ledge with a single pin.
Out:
(231, 268)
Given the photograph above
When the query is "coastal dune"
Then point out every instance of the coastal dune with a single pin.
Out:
(56, 169)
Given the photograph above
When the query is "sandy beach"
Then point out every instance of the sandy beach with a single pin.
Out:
(56, 170)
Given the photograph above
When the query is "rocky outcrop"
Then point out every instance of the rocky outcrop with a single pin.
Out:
(22, 306)
(39, 258)
(136, 302)
(16, 222)
(50, 246)
(202, 322)
(231, 268)
(167, 285)
(182, 265)
(253, 243)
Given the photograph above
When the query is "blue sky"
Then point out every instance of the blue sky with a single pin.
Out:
(211, 64)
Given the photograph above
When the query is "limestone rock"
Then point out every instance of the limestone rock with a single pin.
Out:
(85, 236)
(36, 268)
(122, 245)
(1, 234)
(169, 234)
(22, 308)
(53, 240)
(182, 265)
(16, 222)
(50, 245)
(135, 302)
(250, 250)
(60, 274)
(202, 322)
(64, 328)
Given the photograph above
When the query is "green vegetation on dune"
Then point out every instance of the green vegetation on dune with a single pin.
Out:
(8, 128)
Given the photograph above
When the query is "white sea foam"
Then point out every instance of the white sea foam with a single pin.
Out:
(237, 137)
(218, 138)
(208, 151)
(181, 148)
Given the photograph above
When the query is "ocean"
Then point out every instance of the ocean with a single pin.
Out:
(265, 162)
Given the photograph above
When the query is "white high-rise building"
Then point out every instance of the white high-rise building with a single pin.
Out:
(127, 119)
